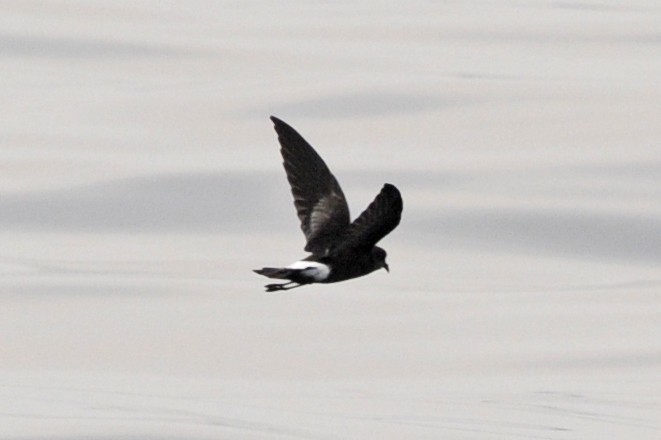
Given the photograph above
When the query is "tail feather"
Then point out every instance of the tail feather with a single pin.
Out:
(281, 273)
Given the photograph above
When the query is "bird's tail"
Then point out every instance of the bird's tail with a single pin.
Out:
(281, 273)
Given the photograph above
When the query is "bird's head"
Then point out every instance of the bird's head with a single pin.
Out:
(379, 258)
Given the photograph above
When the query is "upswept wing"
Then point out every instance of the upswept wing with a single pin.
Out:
(318, 198)
(377, 221)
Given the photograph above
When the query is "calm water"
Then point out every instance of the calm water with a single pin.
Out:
(141, 181)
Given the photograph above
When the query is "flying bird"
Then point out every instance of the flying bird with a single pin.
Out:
(340, 249)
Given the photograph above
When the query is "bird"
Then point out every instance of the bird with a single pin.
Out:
(339, 248)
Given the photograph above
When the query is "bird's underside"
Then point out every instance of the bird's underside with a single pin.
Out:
(340, 249)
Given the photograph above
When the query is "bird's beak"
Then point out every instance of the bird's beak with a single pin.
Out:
(385, 266)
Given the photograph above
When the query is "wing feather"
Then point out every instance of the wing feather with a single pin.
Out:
(320, 203)
(378, 220)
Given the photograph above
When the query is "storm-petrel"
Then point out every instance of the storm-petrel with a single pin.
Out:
(340, 249)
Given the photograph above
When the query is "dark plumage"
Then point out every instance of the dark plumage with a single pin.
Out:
(340, 249)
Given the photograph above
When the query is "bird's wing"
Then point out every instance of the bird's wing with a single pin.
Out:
(320, 203)
(377, 221)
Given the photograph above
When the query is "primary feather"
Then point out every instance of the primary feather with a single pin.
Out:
(318, 198)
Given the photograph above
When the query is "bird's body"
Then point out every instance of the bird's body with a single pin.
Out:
(341, 249)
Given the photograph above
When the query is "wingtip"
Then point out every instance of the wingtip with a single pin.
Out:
(390, 188)
(276, 121)
(280, 126)
(393, 193)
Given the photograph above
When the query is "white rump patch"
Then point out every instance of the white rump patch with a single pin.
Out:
(316, 271)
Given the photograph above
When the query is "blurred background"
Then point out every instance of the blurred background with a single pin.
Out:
(140, 182)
